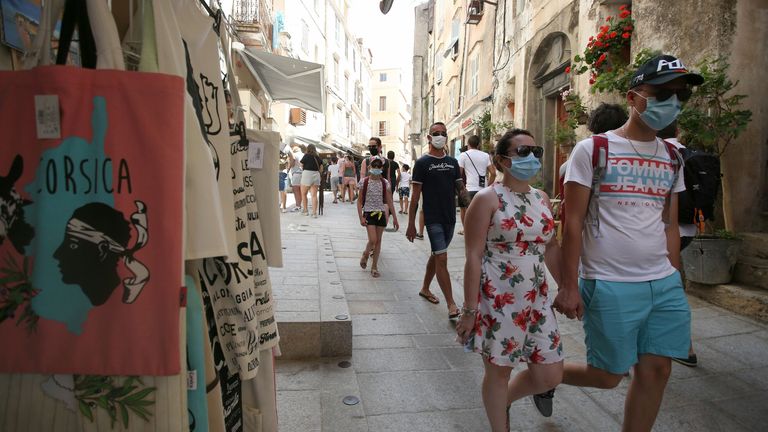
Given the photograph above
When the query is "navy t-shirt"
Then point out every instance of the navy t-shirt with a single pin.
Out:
(438, 177)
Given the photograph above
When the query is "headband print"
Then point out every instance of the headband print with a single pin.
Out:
(133, 285)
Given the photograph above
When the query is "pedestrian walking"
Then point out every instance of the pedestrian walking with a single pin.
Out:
(334, 177)
(394, 171)
(374, 207)
(631, 298)
(282, 181)
(375, 148)
(312, 167)
(349, 179)
(477, 169)
(295, 170)
(404, 188)
(507, 315)
(437, 175)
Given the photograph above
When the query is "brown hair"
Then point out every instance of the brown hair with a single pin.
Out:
(502, 146)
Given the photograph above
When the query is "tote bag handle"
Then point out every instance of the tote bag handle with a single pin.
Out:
(108, 49)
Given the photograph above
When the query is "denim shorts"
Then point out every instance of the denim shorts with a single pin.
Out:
(440, 236)
(623, 320)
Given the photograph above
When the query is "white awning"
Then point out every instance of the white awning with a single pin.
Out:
(285, 79)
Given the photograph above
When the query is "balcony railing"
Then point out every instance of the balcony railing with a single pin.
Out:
(255, 16)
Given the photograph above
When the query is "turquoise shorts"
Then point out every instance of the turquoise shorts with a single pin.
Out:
(623, 320)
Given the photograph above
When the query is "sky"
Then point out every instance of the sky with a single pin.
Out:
(389, 37)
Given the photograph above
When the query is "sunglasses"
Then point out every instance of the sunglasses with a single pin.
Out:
(662, 94)
(445, 134)
(523, 151)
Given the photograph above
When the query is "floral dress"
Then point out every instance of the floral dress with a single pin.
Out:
(515, 321)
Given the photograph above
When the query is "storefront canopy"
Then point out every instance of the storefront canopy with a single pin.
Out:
(321, 146)
(285, 79)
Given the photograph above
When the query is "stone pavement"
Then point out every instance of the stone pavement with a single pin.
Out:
(410, 375)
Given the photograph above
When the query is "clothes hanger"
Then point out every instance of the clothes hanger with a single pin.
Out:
(216, 15)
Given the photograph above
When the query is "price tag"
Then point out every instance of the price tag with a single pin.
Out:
(192, 380)
(255, 155)
(47, 116)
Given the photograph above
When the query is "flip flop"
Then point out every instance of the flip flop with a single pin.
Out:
(454, 315)
(420, 236)
(364, 262)
(375, 273)
(429, 297)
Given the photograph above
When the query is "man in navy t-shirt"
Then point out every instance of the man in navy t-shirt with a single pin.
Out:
(439, 178)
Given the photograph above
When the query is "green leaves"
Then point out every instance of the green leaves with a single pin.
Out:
(712, 118)
(16, 293)
(105, 392)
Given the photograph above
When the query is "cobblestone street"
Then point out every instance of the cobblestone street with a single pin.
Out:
(410, 375)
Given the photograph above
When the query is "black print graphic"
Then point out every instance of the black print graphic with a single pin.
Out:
(194, 91)
(95, 240)
(209, 97)
(12, 222)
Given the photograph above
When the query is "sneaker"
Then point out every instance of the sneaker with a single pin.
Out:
(543, 402)
(295, 210)
(691, 361)
(284, 211)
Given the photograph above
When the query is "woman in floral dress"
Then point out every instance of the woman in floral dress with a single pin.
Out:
(507, 315)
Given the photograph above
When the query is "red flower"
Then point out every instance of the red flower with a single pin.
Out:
(489, 321)
(521, 320)
(613, 34)
(488, 289)
(536, 316)
(526, 220)
(549, 223)
(608, 18)
(602, 58)
(604, 29)
(510, 270)
(509, 346)
(502, 247)
(628, 28)
(591, 37)
(509, 223)
(502, 300)
(624, 14)
(535, 356)
(543, 289)
(531, 295)
(555, 338)
(599, 44)
(622, 7)
(567, 69)
(626, 35)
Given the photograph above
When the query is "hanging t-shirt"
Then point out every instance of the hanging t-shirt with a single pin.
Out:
(631, 245)
(438, 177)
(475, 163)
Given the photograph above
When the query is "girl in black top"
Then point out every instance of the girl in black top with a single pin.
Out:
(312, 167)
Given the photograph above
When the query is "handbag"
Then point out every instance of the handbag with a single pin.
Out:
(481, 178)
(91, 252)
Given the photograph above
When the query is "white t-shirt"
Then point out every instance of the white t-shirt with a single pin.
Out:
(631, 245)
(405, 179)
(686, 230)
(481, 161)
(334, 169)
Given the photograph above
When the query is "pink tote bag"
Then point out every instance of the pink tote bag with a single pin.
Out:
(91, 202)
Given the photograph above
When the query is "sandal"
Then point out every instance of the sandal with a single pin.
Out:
(420, 236)
(429, 296)
(364, 261)
(456, 312)
(375, 273)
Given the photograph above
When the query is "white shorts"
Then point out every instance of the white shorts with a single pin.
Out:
(310, 178)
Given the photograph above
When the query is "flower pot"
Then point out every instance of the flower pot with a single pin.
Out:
(569, 105)
(582, 118)
(710, 260)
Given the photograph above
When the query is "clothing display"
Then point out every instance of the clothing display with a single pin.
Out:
(127, 178)
(637, 181)
(515, 321)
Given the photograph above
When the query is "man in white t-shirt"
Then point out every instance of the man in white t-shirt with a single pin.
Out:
(333, 171)
(476, 166)
(632, 301)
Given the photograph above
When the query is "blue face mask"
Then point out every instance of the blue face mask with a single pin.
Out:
(658, 115)
(376, 171)
(523, 168)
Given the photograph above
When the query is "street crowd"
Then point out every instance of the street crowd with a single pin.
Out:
(616, 259)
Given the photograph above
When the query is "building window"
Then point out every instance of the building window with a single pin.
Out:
(382, 103)
(304, 37)
(438, 67)
(336, 73)
(383, 129)
(474, 67)
(367, 109)
(439, 16)
(354, 60)
(339, 120)
(382, 77)
(339, 32)
(358, 96)
(346, 88)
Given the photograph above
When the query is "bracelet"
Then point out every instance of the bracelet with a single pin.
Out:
(467, 311)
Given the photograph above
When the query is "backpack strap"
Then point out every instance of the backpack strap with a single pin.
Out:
(676, 159)
(599, 166)
(365, 190)
(383, 190)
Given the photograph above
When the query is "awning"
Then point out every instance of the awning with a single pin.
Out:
(285, 79)
(319, 145)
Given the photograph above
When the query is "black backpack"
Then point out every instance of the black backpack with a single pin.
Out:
(701, 174)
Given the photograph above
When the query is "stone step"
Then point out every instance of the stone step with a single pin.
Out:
(754, 245)
(312, 311)
(744, 300)
(751, 271)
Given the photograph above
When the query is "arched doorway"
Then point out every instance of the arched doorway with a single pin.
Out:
(545, 107)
